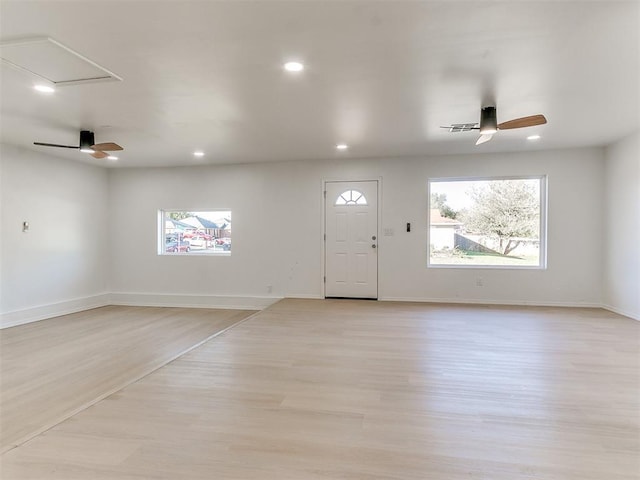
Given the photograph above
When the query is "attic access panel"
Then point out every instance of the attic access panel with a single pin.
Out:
(54, 62)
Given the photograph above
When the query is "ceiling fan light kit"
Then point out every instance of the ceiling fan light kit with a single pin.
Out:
(488, 121)
(87, 139)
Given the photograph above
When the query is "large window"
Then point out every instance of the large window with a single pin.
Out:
(487, 222)
(184, 232)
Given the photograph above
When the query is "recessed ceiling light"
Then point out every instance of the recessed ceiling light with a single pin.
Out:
(112, 157)
(198, 153)
(533, 137)
(342, 146)
(293, 67)
(44, 88)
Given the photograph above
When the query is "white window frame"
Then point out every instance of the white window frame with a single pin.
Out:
(542, 259)
(162, 232)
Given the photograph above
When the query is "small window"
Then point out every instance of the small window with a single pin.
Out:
(351, 197)
(206, 232)
(489, 222)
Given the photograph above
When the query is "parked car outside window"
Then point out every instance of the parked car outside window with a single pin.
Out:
(173, 245)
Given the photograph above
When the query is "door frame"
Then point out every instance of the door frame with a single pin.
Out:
(323, 219)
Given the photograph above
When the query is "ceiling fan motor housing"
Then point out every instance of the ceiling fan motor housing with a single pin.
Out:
(86, 140)
(488, 121)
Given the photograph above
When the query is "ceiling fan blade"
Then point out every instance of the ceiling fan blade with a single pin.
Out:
(99, 154)
(484, 138)
(461, 127)
(106, 147)
(523, 122)
(55, 145)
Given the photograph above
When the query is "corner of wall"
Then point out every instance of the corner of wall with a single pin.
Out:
(621, 227)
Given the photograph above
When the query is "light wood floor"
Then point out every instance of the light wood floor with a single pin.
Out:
(339, 389)
(51, 369)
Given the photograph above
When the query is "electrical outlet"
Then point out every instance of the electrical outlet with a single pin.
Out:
(479, 282)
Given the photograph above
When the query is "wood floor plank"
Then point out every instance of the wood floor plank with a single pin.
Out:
(51, 369)
(326, 389)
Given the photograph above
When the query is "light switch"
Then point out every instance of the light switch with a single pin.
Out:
(388, 232)
(25, 226)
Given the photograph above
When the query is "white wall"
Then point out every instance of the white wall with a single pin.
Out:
(277, 231)
(60, 265)
(621, 291)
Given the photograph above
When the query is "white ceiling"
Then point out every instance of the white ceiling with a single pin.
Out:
(381, 76)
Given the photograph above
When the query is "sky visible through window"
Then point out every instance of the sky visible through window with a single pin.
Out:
(457, 192)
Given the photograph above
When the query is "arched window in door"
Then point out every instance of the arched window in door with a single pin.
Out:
(351, 197)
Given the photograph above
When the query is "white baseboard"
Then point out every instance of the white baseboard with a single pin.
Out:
(308, 297)
(621, 312)
(233, 302)
(42, 312)
(492, 302)
(237, 302)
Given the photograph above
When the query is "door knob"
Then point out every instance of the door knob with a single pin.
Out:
(373, 238)
(373, 246)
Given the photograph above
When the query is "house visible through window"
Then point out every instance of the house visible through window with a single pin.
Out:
(493, 222)
(184, 232)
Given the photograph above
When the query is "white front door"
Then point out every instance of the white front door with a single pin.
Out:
(351, 246)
